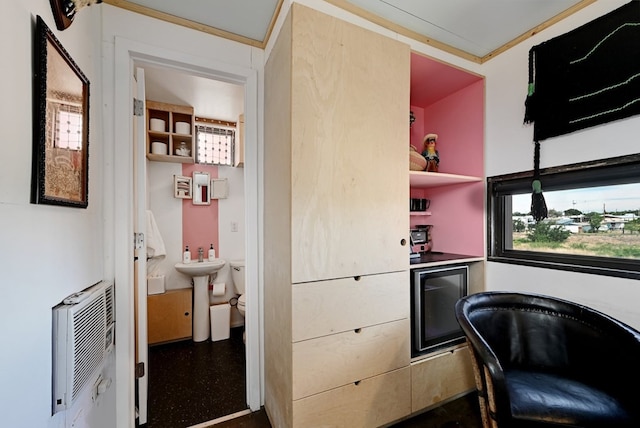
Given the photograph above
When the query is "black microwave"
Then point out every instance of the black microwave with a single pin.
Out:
(434, 293)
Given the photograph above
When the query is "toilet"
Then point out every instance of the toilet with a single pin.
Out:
(237, 276)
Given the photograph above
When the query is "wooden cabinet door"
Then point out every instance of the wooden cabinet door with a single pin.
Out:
(349, 149)
(441, 377)
(169, 316)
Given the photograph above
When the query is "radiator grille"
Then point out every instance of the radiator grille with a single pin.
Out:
(109, 303)
(88, 332)
(82, 337)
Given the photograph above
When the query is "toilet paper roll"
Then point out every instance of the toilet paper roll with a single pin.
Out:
(219, 289)
(158, 148)
(183, 128)
(157, 125)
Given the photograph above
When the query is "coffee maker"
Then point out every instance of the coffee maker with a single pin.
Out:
(420, 237)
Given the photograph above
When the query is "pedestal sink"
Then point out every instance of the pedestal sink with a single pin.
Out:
(200, 272)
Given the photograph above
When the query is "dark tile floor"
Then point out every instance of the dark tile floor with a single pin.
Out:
(191, 383)
(460, 413)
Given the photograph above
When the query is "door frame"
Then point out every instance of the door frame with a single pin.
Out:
(127, 53)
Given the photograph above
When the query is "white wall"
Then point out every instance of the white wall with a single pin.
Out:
(193, 51)
(167, 212)
(46, 252)
(509, 148)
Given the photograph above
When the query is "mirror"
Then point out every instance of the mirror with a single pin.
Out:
(201, 188)
(61, 125)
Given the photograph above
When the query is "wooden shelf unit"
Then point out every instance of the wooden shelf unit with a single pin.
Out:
(438, 179)
(171, 114)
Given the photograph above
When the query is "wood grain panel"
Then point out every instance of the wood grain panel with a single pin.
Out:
(169, 316)
(441, 377)
(370, 403)
(277, 233)
(336, 360)
(350, 113)
(326, 307)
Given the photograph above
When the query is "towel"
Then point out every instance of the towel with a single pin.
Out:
(156, 251)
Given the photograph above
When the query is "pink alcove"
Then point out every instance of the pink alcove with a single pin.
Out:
(200, 222)
(449, 102)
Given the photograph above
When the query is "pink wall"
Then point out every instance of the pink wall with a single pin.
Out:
(200, 222)
(416, 131)
(459, 122)
(457, 212)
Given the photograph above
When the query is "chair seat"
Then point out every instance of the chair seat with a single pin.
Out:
(560, 401)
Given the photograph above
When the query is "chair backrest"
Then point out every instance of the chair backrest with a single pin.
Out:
(519, 331)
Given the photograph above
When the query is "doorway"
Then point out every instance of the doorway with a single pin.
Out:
(194, 382)
(126, 54)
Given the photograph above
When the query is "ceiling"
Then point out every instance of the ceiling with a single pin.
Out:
(210, 98)
(473, 29)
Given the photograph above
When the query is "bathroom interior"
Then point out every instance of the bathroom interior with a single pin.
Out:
(180, 392)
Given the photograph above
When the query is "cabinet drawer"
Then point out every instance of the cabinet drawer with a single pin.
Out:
(371, 402)
(441, 377)
(327, 307)
(332, 361)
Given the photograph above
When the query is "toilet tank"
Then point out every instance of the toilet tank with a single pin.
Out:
(237, 275)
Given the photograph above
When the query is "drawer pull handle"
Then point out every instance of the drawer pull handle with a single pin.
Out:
(356, 383)
(186, 314)
(357, 330)
(357, 277)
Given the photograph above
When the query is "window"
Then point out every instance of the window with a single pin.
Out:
(593, 224)
(215, 144)
(67, 126)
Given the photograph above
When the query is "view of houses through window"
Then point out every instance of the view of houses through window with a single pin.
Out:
(599, 221)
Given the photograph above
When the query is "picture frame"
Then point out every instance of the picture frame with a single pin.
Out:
(182, 188)
(60, 166)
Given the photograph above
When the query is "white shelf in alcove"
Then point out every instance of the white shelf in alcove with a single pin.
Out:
(420, 213)
(435, 179)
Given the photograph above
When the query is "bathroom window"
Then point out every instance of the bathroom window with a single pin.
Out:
(215, 144)
(593, 222)
(67, 133)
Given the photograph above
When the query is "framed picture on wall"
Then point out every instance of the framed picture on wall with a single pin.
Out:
(60, 169)
(182, 187)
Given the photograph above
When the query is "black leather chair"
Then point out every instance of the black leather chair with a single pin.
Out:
(540, 361)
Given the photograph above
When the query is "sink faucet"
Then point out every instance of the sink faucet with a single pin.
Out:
(200, 254)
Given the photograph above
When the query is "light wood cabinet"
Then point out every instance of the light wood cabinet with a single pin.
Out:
(328, 362)
(174, 117)
(337, 336)
(441, 377)
(339, 305)
(169, 316)
(372, 402)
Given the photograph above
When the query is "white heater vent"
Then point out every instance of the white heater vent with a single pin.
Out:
(82, 337)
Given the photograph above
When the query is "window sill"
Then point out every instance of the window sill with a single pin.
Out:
(538, 262)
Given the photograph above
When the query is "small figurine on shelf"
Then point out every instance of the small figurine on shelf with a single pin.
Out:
(430, 153)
